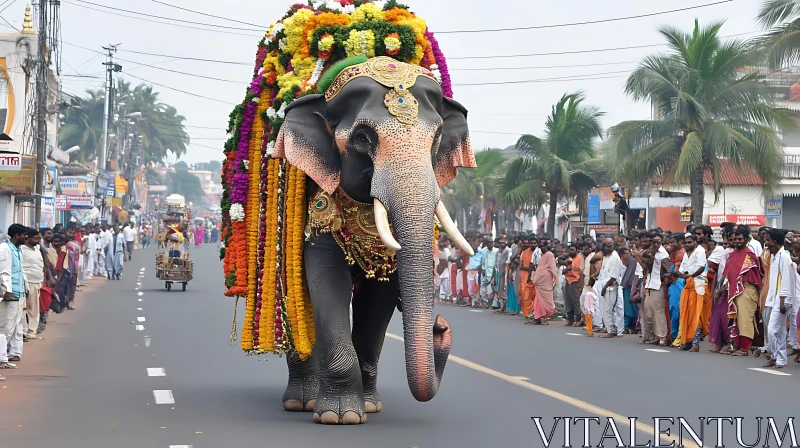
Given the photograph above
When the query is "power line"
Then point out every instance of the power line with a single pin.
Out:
(208, 15)
(539, 67)
(175, 20)
(156, 21)
(179, 90)
(159, 68)
(590, 22)
(586, 77)
(218, 148)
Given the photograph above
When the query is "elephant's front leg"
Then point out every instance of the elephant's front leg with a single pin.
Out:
(341, 396)
(301, 392)
(373, 307)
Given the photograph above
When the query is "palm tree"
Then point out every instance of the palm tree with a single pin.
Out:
(781, 44)
(474, 186)
(556, 165)
(708, 108)
(160, 125)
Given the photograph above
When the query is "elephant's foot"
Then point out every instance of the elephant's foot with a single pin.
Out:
(301, 395)
(372, 402)
(347, 409)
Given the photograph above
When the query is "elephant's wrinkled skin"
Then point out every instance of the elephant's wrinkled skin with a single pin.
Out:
(353, 143)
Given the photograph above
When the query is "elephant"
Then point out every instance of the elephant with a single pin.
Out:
(356, 143)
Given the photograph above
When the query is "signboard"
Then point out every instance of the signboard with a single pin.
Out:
(686, 214)
(749, 220)
(48, 212)
(50, 180)
(10, 161)
(74, 202)
(613, 229)
(20, 181)
(594, 210)
(72, 185)
(774, 206)
(122, 186)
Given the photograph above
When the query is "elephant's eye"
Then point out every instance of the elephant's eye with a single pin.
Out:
(362, 140)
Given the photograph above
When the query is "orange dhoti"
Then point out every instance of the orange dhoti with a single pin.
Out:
(527, 295)
(692, 312)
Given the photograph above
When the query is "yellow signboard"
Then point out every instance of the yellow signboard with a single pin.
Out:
(22, 181)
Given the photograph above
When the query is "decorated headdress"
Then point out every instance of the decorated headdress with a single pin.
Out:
(315, 48)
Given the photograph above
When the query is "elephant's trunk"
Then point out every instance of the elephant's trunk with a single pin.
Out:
(411, 201)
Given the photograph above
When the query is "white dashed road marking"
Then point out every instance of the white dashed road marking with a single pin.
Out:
(657, 350)
(163, 397)
(180, 446)
(140, 328)
(140, 319)
(140, 300)
(146, 341)
(573, 334)
(770, 371)
(475, 311)
(156, 371)
(141, 293)
(138, 309)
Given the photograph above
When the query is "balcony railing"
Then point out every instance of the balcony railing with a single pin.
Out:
(791, 167)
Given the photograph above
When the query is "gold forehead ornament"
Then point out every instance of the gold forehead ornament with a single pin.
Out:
(398, 76)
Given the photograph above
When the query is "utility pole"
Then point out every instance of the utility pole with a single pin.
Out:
(41, 106)
(102, 155)
(111, 67)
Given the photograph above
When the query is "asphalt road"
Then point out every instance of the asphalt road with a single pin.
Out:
(87, 384)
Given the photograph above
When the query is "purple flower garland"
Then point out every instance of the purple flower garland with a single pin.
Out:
(241, 179)
(447, 87)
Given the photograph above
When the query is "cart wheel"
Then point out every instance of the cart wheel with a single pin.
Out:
(169, 286)
(184, 286)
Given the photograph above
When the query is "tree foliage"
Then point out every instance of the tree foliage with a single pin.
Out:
(709, 110)
(556, 166)
(187, 184)
(160, 125)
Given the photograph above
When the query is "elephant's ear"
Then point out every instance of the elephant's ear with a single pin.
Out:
(454, 150)
(306, 141)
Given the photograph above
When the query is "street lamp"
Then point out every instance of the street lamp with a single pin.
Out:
(134, 115)
(73, 149)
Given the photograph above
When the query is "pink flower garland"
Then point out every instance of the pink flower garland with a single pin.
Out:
(447, 87)
(241, 179)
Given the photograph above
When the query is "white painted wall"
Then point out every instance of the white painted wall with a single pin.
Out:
(741, 200)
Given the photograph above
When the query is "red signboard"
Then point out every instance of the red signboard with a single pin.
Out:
(748, 220)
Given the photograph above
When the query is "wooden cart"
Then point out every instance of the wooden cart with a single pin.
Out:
(174, 270)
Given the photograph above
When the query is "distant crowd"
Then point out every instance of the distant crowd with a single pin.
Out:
(739, 289)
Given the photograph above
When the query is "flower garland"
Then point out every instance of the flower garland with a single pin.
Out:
(264, 199)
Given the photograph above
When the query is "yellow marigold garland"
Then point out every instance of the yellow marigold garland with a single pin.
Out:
(304, 312)
(291, 248)
(266, 337)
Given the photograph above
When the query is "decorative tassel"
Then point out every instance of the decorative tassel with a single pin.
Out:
(234, 335)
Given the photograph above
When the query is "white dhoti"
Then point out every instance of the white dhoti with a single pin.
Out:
(11, 319)
(777, 335)
(88, 265)
(100, 265)
(619, 312)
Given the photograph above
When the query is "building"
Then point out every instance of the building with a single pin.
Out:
(18, 50)
(212, 190)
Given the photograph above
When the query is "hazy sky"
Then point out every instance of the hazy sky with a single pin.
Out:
(498, 113)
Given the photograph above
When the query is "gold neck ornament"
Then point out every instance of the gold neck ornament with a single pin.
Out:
(398, 76)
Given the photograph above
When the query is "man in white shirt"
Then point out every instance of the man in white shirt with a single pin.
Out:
(793, 336)
(130, 237)
(693, 269)
(655, 317)
(755, 246)
(608, 282)
(33, 266)
(12, 297)
(779, 299)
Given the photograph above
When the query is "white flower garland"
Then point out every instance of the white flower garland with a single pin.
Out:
(436, 73)
(315, 75)
(237, 212)
(246, 165)
(270, 148)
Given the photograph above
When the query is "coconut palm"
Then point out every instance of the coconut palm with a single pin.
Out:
(474, 186)
(709, 108)
(160, 125)
(556, 165)
(781, 44)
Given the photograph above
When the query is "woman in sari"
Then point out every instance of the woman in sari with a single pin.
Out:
(199, 235)
(545, 281)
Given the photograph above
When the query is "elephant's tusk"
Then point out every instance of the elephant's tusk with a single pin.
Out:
(382, 223)
(451, 229)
